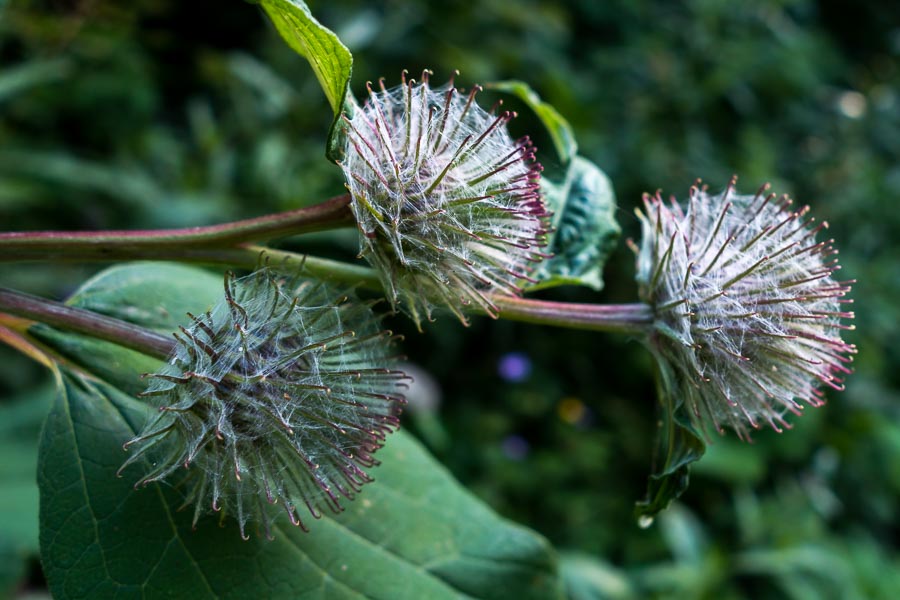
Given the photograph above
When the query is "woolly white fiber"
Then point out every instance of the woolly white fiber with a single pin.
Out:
(747, 309)
(447, 202)
(278, 395)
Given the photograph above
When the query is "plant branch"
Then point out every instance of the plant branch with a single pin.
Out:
(87, 322)
(618, 318)
(231, 244)
(107, 245)
(622, 318)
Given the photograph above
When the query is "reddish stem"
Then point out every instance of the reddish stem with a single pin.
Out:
(92, 245)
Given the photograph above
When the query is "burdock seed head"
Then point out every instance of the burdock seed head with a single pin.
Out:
(278, 395)
(446, 201)
(747, 310)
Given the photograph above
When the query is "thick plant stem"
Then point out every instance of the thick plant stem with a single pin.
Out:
(619, 318)
(115, 245)
(634, 318)
(87, 322)
(321, 268)
(231, 244)
(249, 257)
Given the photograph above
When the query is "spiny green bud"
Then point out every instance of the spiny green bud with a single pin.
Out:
(447, 203)
(278, 395)
(747, 310)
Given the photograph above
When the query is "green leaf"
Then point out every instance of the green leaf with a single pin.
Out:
(154, 295)
(586, 231)
(678, 445)
(588, 578)
(414, 533)
(18, 79)
(559, 129)
(330, 60)
(20, 422)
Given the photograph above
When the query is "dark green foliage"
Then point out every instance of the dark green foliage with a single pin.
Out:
(166, 113)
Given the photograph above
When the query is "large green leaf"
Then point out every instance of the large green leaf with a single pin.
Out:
(330, 60)
(585, 227)
(157, 296)
(154, 295)
(414, 533)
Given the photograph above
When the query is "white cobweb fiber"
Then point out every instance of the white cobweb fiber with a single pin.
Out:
(278, 395)
(747, 308)
(446, 201)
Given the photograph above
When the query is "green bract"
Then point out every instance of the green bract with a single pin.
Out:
(747, 310)
(448, 204)
(278, 395)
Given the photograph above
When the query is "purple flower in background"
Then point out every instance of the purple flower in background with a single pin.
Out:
(515, 447)
(514, 367)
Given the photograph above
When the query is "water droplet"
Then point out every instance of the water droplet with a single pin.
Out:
(645, 521)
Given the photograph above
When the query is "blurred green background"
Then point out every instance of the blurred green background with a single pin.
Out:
(161, 113)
